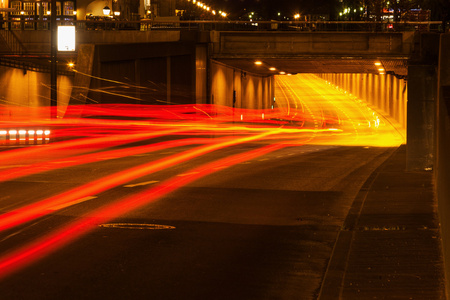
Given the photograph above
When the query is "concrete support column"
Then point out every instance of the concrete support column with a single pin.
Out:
(404, 102)
(169, 81)
(365, 93)
(395, 98)
(382, 92)
(137, 78)
(442, 163)
(370, 89)
(376, 90)
(422, 87)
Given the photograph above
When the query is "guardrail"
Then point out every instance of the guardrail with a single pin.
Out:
(107, 23)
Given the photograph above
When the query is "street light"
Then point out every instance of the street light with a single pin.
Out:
(106, 10)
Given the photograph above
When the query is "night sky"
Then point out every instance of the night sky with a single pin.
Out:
(268, 9)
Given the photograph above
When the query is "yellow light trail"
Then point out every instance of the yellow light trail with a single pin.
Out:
(360, 124)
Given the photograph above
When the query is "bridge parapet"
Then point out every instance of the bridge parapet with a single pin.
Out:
(239, 44)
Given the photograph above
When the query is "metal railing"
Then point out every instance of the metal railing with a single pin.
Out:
(11, 42)
(106, 23)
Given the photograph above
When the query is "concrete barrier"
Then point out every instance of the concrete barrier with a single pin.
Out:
(442, 164)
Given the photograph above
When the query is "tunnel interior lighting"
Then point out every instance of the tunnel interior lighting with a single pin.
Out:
(381, 69)
(258, 62)
(272, 69)
(377, 64)
(282, 73)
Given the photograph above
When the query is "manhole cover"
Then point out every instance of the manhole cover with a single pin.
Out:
(137, 226)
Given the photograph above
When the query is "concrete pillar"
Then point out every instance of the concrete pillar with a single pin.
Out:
(403, 102)
(376, 90)
(82, 83)
(442, 163)
(395, 96)
(422, 87)
(365, 94)
(370, 90)
(382, 92)
(169, 80)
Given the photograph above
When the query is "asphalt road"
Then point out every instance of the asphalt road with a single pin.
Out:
(244, 213)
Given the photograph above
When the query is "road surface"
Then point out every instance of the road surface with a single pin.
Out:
(186, 202)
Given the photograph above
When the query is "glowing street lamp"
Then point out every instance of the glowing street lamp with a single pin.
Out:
(106, 10)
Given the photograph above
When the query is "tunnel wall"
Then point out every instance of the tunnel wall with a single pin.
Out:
(32, 90)
(386, 93)
(442, 163)
(249, 91)
(147, 73)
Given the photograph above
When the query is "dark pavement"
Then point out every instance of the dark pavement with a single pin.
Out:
(389, 246)
(289, 225)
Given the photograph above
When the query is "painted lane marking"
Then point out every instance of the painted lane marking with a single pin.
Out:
(264, 159)
(220, 168)
(187, 174)
(141, 183)
(136, 226)
(64, 205)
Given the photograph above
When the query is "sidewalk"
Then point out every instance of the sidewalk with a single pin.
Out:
(389, 246)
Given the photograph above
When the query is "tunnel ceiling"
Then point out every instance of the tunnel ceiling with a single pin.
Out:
(316, 65)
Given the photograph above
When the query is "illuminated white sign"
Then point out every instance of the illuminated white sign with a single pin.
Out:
(66, 38)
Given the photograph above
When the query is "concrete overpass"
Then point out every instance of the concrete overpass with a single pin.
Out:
(314, 52)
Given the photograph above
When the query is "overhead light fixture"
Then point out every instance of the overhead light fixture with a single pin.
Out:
(377, 64)
(272, 69)
(258, 62)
